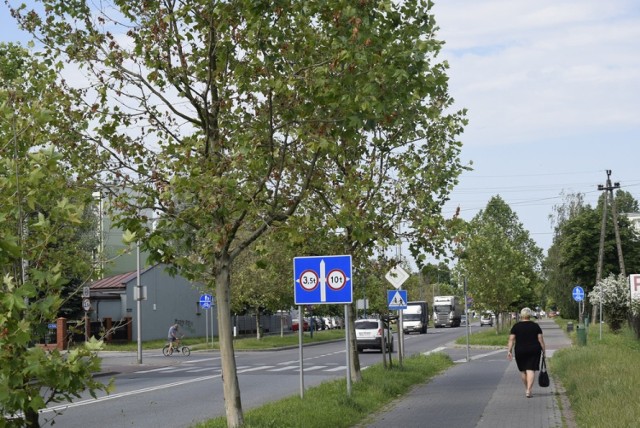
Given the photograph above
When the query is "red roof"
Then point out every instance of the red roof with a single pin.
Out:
(115, 281)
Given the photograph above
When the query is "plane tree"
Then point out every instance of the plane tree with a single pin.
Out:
(500, 261)
(41, 211)
(392, 170)
(220, 116)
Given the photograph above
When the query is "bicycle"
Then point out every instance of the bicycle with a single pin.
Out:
(167, 351)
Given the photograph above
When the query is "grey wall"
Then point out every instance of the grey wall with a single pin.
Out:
(169, 300)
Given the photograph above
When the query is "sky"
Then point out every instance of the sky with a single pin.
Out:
(553, 93)
(552, 89)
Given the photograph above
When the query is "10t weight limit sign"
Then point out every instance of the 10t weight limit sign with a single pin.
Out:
(322, 279)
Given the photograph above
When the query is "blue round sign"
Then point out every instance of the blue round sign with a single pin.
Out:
(578, 293)
(206, 300)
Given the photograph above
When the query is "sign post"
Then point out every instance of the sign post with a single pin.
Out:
(206, 300)
(321, 280)
(578, 296)
(397, 276)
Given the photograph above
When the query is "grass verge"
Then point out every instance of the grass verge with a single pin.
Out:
(327, 405)
(487, 337)
(601, 379)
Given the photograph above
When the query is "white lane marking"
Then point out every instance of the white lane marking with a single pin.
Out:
(441, 348)
(125, 394)
(204, 369)
(281, 369)
(312, 368)
(476, 357)
(284, 363)
(202, 360)
(335, 369)
(171, 369)
(159, 369)
(253, 369)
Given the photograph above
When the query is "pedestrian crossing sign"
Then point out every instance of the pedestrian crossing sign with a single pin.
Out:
(397, 299)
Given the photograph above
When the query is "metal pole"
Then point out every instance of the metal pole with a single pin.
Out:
(139, 304)
(400, 335)
(300, 355)
(466, 314)
(206, 325)
(600, 312)
(347, 343)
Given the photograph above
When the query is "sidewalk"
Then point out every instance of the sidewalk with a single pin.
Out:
(486, 392)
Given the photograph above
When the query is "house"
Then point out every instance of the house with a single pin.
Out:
(169, 300)
(634, 218)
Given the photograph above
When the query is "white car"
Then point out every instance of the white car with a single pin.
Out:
(486, 319)
(328, 321)
(369, 335)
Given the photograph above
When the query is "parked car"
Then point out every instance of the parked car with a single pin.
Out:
(369, 335)
(318, 323)
(295, 325)
(338, 322)
(486, 319)
(328, 321)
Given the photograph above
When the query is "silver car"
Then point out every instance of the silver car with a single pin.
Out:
(486, 319)
(369, 334)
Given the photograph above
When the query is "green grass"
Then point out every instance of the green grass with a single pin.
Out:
(327, 405)
(601, 379)
(239, 344)
(487, 337)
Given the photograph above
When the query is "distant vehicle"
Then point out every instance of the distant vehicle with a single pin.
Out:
(447, 311)
(317, 323)
(369, 334)
(295, 325)
(338, 322)
(486, 319)
(328, 321)
(416, 317)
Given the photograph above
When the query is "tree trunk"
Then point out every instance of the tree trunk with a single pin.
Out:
(31, 418)
(258, 333)
(231, 387)
(354, 361)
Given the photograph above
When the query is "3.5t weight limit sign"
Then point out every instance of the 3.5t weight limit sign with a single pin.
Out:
(322, 279)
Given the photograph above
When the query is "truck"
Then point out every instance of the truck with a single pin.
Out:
(416, 317)
(447, 311)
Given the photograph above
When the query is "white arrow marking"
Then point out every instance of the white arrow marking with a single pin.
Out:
(323, 282)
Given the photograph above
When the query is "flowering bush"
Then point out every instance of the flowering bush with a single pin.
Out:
(614, 292)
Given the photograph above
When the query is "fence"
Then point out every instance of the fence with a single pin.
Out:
(246, 324)
(63, 332)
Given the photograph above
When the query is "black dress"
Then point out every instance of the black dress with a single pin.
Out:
(528, 348)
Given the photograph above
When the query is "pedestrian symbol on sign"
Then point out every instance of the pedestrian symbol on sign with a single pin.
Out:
(397, 299)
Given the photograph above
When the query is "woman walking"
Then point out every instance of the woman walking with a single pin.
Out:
(526, 335)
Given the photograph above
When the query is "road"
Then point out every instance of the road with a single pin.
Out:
(179, 391)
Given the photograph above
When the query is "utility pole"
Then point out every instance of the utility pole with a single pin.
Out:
(608, 198)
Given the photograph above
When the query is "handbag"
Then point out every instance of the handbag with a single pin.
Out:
(543, 377)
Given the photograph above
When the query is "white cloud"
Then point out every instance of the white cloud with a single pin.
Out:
(528, 70)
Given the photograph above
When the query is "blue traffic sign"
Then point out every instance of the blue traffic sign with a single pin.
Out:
(206, 300)
(322, 280)
(578, 293)
(397, 299)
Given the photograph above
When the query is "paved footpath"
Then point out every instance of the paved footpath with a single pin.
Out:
(485, 392)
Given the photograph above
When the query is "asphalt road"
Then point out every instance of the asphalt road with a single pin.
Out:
(179, 391)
